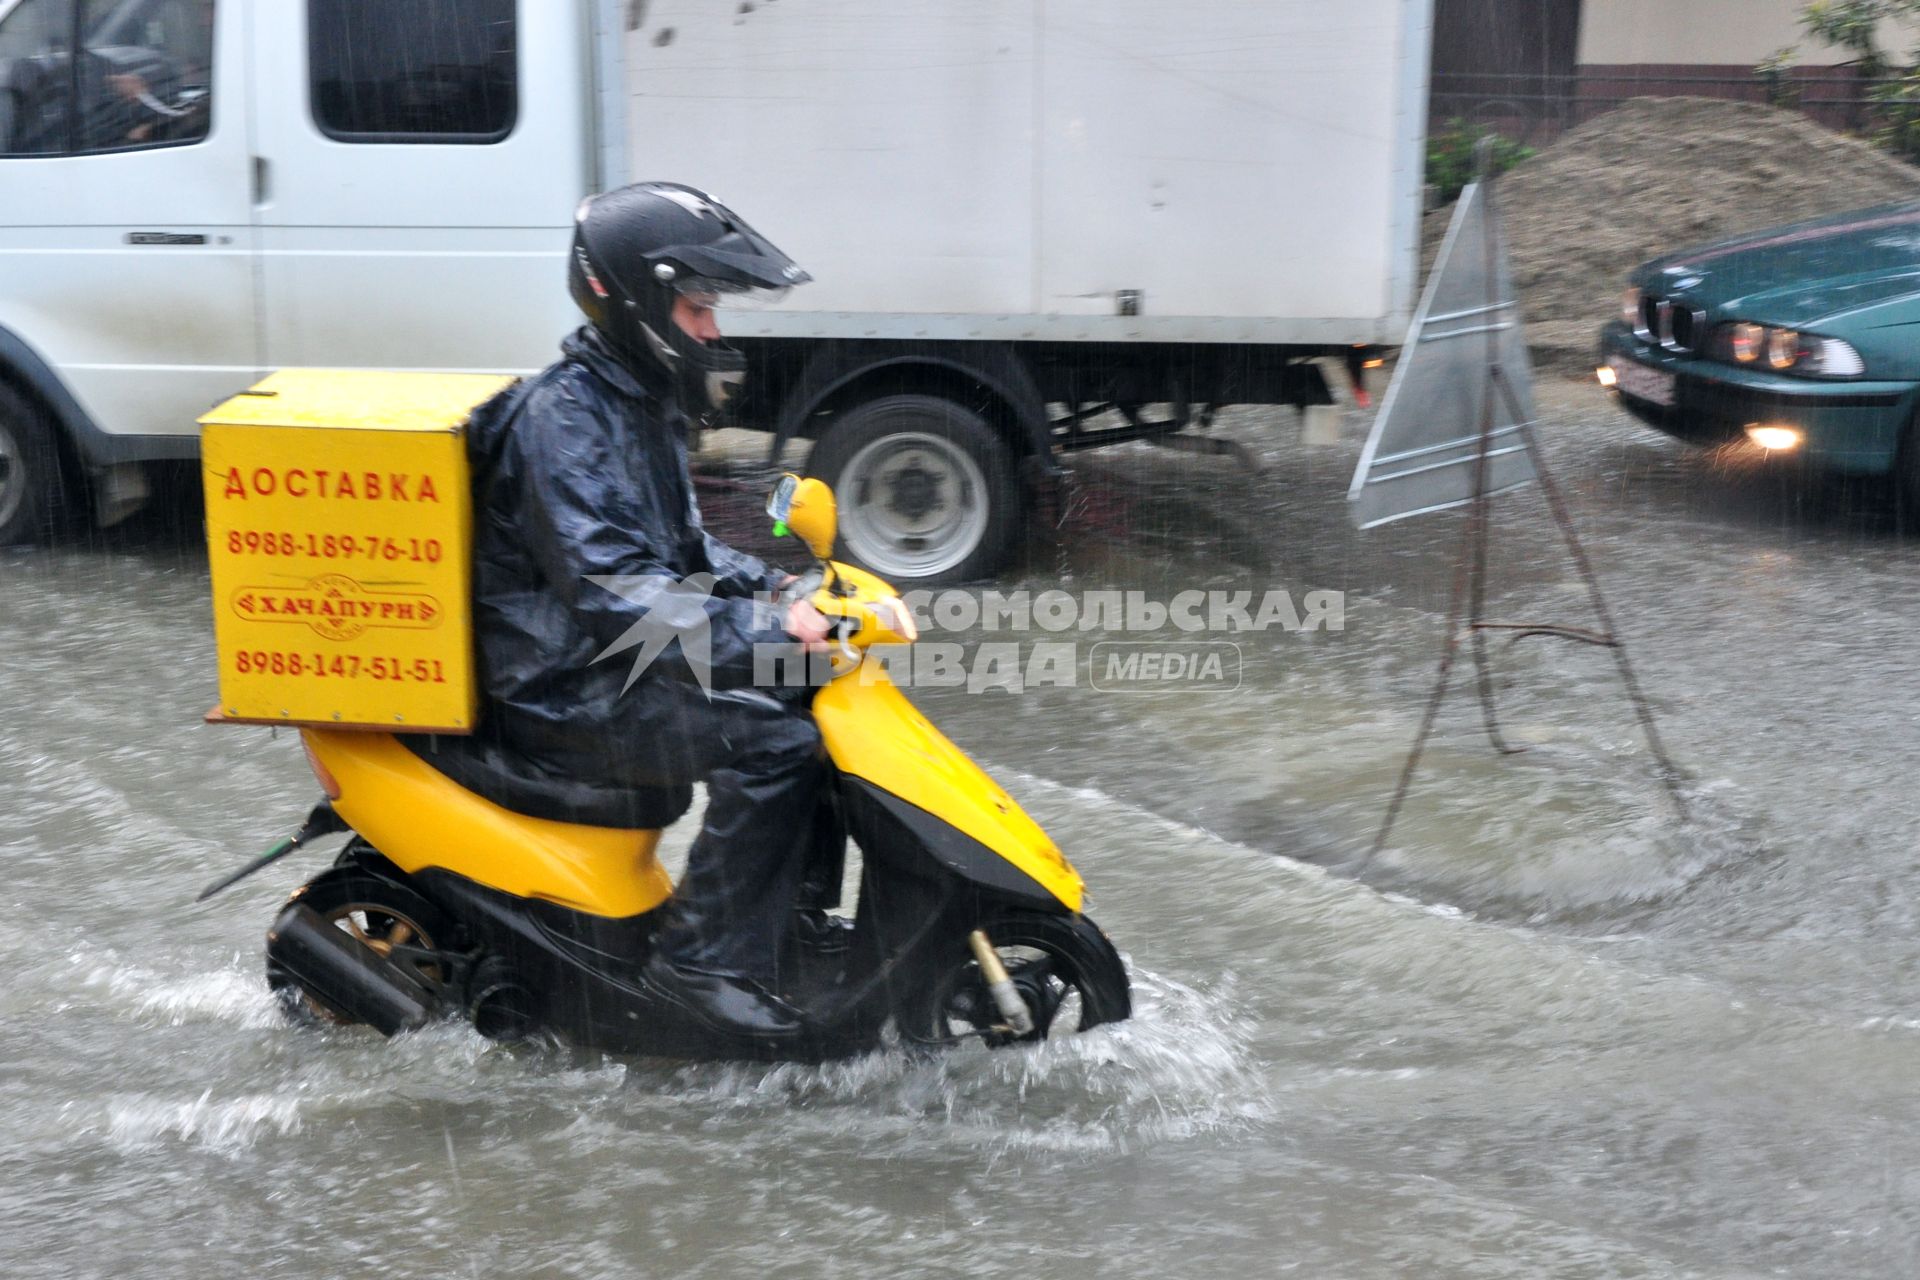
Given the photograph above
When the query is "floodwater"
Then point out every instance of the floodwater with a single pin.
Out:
(1550, 1031)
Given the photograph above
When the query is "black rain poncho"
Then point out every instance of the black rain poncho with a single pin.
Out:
(580, 473)
(609, 683)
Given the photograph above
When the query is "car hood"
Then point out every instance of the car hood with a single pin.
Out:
(1799, 274)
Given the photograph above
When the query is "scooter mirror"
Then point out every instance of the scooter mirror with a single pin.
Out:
(806, 509)
(780, 502)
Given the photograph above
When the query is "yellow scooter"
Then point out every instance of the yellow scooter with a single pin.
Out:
(967, 924)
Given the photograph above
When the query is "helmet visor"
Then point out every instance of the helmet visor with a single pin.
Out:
(727, 295)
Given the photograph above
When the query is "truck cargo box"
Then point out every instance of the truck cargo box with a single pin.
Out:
(1054, 170)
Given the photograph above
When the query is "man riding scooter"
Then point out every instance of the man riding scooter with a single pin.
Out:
(588, 540)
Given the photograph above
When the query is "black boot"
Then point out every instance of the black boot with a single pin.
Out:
(817, 932)
(731, 1006)
(811, 927)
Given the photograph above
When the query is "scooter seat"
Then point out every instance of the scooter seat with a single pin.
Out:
(424, 820)
(496, 772)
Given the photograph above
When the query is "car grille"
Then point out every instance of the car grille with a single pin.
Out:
(1671, 324)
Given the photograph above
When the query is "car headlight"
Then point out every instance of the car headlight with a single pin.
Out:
(1787, 350)
(1630, 306)
(1837, 359)
(1783, 348)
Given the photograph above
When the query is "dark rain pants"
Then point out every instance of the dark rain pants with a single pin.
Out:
(762, 762)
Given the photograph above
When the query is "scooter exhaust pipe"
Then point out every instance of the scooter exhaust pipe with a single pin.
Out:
(345, 974)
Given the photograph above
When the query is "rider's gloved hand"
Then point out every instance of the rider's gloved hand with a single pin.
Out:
(808, 625)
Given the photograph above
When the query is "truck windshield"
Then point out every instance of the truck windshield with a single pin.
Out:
(36, 85)
(144, 76)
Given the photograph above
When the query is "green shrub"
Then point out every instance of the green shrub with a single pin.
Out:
(1450, 156)
(1775, 72)
(1893, 120)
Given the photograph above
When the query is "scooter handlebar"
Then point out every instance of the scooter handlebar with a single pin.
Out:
(862, 610)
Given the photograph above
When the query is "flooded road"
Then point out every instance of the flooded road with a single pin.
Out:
(1549, 1031)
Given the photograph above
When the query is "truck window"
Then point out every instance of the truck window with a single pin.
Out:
(36, 80)
(144, 77)
(412, 70)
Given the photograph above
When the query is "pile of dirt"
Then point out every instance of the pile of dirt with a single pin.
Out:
(1660, 174)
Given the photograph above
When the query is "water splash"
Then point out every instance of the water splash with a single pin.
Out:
(1181, 1066)
(225, 1126)
(235, 994)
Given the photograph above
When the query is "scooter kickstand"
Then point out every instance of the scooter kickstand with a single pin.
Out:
(1005, 996)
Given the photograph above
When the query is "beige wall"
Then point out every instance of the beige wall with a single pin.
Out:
(1718, 32)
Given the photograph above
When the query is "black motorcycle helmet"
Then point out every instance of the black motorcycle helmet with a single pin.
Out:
(637, 248)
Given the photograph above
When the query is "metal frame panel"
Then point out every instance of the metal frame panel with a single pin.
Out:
(1424, 453)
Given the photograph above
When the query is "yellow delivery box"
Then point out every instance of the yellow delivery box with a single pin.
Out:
(339, 524)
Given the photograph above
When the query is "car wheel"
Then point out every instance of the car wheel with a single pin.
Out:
(926, 489)
(30, 483)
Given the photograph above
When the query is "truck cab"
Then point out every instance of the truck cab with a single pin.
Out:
(195, 192)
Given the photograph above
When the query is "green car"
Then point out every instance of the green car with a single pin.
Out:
(1800, 338)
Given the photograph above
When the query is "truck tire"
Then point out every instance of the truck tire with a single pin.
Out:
(30, 486)
(925, 487)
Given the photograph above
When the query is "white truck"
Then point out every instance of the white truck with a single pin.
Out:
(1018, 214)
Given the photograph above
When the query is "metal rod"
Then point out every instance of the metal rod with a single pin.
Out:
(1469, 313)
(1669, 774)
(1482, 515)
(1426, 449)
(1524, 629)
(1439, 466)
(323, 821)
(1432, 713)
(1502, 327)
(277, 852)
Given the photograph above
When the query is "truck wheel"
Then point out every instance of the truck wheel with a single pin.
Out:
(29, 471)
(926, 489)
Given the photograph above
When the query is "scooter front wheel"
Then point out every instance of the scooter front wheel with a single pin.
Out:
(392, 920)
(1064, 969)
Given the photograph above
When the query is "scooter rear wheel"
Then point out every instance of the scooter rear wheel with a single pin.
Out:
(392, 919)
(1064, 968)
